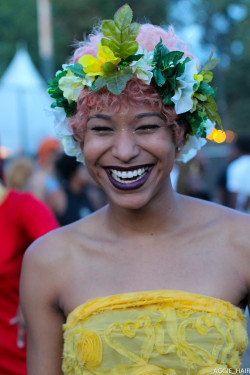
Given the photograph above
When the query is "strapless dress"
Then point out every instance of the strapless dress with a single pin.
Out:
(154, 333)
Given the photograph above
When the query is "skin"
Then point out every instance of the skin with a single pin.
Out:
(146, 239)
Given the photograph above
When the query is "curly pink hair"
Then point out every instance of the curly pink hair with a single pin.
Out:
(136, 91)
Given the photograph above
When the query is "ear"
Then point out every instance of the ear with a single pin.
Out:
(179, 137)
(82, 146)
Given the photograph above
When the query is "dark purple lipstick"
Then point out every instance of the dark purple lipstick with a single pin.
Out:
(129, 185)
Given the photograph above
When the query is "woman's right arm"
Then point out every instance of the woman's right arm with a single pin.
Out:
(39, 294)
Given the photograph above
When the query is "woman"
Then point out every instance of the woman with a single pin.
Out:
(175, 268)
(23, 219)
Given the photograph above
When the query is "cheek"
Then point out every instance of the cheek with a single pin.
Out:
(163, 146)
(93, 148)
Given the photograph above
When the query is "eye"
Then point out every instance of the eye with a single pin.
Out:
(147, 129)
(102, 130)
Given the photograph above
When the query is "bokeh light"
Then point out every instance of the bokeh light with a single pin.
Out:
(218, 136)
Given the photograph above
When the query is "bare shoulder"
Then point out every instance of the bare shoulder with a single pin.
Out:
(216, 212)
(59, 244)
(55, 251)
(232, 226)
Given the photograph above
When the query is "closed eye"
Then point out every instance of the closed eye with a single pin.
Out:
(147, 129)
(102, 129)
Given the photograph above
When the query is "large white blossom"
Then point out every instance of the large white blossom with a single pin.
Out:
(65, 134)
(194, 144)
(184, 90)
(143, 67)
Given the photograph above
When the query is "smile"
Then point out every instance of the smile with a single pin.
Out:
(129, 179)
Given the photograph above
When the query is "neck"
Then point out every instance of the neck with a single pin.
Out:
(160, 216)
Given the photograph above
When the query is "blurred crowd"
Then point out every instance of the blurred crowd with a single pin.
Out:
(61, 182)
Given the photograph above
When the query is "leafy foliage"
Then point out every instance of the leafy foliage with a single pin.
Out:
(56, 93)
(77, 69)
(115, 81)
(166, 70)
(120, 34)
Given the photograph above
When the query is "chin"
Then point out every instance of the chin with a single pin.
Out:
(131, 202)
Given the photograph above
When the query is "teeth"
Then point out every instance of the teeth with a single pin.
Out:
(133, 176)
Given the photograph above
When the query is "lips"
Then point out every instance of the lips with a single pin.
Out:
(129, 178)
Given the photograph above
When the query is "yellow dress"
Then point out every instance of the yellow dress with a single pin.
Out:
(154, 333)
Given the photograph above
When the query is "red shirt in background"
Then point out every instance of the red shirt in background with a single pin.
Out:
(23, 218)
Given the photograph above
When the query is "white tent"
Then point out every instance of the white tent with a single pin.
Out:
(23, 103)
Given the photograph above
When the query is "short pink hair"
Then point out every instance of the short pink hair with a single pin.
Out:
(149, 35)
(136, 91)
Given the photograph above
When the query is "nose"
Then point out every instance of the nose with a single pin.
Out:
(125, 147)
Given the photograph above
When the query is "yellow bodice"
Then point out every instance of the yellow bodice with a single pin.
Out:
(154, 333)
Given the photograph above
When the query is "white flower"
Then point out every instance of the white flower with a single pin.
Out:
(65, 133)
(192, 145)
(72, 148)
(209, 125)
(184, 90)
(71, 85)
(143, 67)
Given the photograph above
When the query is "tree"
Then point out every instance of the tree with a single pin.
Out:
(226, 27)
(71, 21)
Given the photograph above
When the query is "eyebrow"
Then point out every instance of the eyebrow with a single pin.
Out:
(99, 115)
(148, 114)
(139, 116)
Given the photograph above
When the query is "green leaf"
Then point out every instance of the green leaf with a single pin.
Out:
(108, 68)
(99, 83)
(211, 104)
(120, 35)
(210, 64)
(167, 100)
(77, 70)
(123, 16)
(131, 58)
(206, 89)
(200, 96)
(117, 81)
(212, 113)
(159, 78)
(160, 52)
(172, 58)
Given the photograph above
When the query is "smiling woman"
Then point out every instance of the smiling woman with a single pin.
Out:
(174, 268)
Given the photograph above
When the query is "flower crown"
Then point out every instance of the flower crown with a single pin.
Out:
(119, 58)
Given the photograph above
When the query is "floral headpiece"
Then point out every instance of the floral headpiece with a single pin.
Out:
(119, 58)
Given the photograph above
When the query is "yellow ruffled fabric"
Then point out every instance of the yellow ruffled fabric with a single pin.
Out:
(154, 333)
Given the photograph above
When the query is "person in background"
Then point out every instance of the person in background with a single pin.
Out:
(43, 183)
(222, 194)
(191, 179)
(77, 186)
(18, 173)
(238, 176)
(23, 219)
